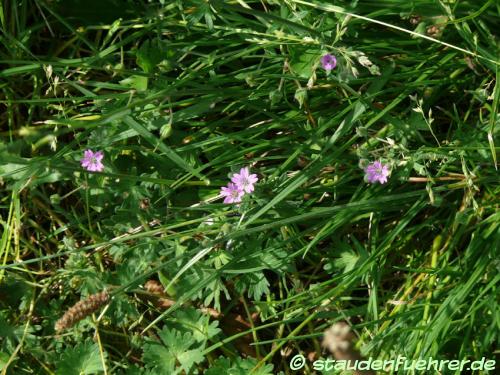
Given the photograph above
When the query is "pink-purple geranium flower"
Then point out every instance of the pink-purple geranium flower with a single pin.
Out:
(328, 62)
(240, 184)
(377, 172)
(244, 180)
(232, 193)
(92, 161)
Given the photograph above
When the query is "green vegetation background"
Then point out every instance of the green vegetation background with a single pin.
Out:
(179, 95)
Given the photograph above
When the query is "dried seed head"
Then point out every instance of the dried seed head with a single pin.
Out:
(81, 310)
(433, 31)
(338, 337)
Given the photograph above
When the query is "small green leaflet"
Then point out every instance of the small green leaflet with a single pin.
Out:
(84, 358)
(174, 355)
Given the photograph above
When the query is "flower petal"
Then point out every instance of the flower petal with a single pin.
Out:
(98, 155)
(244, 172)
(99, 166)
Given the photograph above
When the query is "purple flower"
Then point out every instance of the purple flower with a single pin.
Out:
(232, 193)
(244, 180)
(92, 161)
(377, 172)
(329, 62)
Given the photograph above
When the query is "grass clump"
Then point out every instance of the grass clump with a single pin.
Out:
(373, 204)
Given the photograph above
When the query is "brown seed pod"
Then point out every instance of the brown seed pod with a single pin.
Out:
(154, 287)
(81, 310)
(160, 300)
